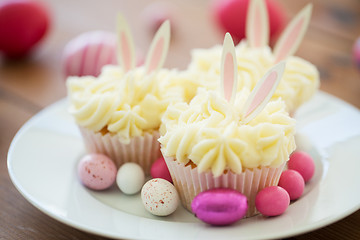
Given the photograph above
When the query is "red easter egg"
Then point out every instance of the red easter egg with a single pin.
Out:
(231, 17)
(23, 23)
(159, 169)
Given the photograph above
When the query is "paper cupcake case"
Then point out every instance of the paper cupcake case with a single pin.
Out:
(189, 182)
(143, 150)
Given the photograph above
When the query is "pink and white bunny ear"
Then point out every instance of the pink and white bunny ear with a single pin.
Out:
(290, 39)
(158, 48)
(257, 24)
(228, 77)
(262, 92)
(125, 52)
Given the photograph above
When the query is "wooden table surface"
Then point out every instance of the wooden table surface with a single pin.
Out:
(29, 85)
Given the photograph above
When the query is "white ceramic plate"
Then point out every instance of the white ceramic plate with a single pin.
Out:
(44, 154)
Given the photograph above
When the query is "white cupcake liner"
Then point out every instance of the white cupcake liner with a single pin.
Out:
(143, 150)
(189, 182)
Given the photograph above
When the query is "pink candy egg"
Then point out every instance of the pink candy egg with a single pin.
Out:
(231, 17)
(159, 169)
(157, 13)
(159, 197)
(220, 206)
(303, 163)
(23, 24)
(88, 53)
(97, 171)
(272, 201)
(293, 183)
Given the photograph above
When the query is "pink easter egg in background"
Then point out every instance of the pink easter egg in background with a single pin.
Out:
(97, 171)
(272, 201)
(230, 16)
(159, 169)
(86, 54)
(156, 13)
(303, 163)
(293, 183)
(356, 52)
(23, 24)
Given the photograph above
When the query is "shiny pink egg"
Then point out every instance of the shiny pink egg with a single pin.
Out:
(159, 169)
(97, 171)
(303, 163)
(23, 24)
(220, 206)
(293, 183)
(272, 201)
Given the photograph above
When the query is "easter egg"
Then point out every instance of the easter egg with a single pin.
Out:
(293, 183)
(356, 52)
(159, 197)
(303, 163)
(230, 15)
(86, 54)
(156, 13)
(272, 201)
(159, 169)
(220, 206)
(130, 178)
(23, 24)
(97, 171)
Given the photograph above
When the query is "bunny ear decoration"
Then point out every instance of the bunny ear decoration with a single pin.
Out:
(126, 52)
(158, 48)
(257, 24)
(263, 92)
(228, 77)
(290, 40)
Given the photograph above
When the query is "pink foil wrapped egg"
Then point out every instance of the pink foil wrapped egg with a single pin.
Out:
(220, 206)
(97, 171)
(88, 53)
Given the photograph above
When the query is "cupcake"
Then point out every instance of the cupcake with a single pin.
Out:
(301, 78)
(119, 112)
(231, 140)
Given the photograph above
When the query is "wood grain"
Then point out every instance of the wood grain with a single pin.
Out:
(31, 84)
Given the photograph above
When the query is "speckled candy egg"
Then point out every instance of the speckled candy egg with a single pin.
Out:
(159, 197)
(272, 201)
(97, 171)
(130, 178)
(220, 206)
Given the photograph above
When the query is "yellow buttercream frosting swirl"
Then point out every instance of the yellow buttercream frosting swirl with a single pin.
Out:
(209, 132)
(299, 82)
(127, 104)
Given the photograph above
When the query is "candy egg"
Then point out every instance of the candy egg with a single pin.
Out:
(159, 197)
(23, 24)
(293, 183)
(231, 17)
(159, 169)
(97, 171)
(303, 163)
(130, 178)
(157, 13)
(220, 206)
(272, 201)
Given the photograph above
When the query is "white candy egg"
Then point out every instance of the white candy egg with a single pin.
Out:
(159, 197)
(130, 178)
